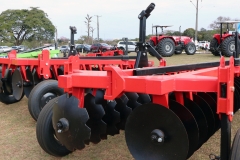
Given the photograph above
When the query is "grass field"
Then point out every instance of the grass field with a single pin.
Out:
(18, 139)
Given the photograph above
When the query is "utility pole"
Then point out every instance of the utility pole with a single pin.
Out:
(196, 24)
(92, 30)
(98, 27)
(56, 44)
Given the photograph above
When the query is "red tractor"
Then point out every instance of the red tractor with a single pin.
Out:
(224, 43)
(168, 45)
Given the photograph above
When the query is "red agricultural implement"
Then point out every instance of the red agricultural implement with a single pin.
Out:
(37, 77)
(163, 117)
(224, 43)
(168, 45)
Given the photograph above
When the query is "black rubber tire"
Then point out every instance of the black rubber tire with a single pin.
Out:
(9, 99)
(178, 51)
(152, 44)
(214, 47)
(190, 48)
(228, 46)
(166, 47)
(34, 99)
(45, 132)
(235, 151)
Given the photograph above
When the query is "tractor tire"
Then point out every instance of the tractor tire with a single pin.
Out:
(214, 47)
(190, 48)
(45, 132)
(152, 44)
(178, 51)
(41, 94)
(228, 46)
(235, 151)
(166, 47)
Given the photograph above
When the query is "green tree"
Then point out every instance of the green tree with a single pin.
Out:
(190, 32)
(19, 25)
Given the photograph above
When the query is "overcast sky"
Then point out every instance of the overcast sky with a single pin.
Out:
(119, 17)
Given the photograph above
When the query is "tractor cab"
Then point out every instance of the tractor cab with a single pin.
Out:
(158, 35)
(223, 42)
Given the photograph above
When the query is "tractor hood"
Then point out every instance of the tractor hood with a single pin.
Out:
(183, 38)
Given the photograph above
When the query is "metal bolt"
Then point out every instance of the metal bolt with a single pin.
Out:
(160, 139)
(46, 75)
(46, 64)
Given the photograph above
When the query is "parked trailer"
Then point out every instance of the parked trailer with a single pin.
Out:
(167, 112)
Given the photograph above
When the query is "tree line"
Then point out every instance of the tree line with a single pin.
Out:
(33, 28)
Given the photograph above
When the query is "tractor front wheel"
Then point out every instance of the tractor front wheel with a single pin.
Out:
(166, 47)
(214, 47)
(190, 48)
(228, 46)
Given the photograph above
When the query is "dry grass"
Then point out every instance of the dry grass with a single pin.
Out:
(18, 139)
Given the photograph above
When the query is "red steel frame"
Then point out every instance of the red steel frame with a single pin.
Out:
(117, 81)
(43, 64)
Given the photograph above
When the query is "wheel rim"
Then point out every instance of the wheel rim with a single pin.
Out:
(168, 47)
(46, 98)
(191, 49)
(231, 46)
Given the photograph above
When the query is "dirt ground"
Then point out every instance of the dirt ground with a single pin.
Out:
(18, 138)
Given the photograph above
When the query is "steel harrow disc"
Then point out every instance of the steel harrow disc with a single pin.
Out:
(96, 113)
(17, 84)
(132, 100)
(189, 123)
(207, 112)
(69, 122)
(155, 132)
(60, 70)
(54, 76)
(199, 116)
(111, 117)
(30, 83)
(123, 109)
(137, 99)
(144, 98)
(7, 82)
(213, 104)
(236, 94)
(36, 78)
(200, 119)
